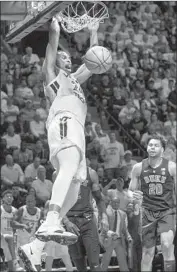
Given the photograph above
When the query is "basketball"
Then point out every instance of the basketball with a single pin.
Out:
(98, 59)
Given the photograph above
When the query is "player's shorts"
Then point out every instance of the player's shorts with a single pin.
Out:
(88, 241)
(5, 247)
(55, 250)
(65, 131)
(156, 222)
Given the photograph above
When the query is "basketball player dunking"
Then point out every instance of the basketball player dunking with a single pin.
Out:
(66, 139)
(155, 177)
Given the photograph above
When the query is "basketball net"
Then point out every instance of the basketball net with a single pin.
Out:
(79, 15)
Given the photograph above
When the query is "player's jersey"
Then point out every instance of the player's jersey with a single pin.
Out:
(69, 97)
(31, 220)
(6, 219)
(84, 202)
(157, 186)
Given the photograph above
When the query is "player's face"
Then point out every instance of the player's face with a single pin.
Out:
(63, 61)
(7, 199)
(154, 148)
(30, 202)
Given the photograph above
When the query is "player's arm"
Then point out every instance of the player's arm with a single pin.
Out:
(48, 69)
(172, 171)
(15, 223)
(135, 175)
(82, 73)
(97, 195)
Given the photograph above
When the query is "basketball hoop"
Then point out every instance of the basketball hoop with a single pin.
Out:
(79, 15)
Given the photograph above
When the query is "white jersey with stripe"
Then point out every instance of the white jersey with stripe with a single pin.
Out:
(6, 219)
(69, 97)
(31, 220)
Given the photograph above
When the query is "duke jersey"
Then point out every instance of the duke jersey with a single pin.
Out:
(31, 220)
(84, 202)
(69, 97)
(6, 219)
(157, 186)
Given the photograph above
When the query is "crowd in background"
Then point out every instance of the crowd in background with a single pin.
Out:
(138, 93)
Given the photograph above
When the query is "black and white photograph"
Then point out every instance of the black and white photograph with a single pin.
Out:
(88, 136)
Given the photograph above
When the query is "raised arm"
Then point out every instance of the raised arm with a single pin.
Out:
(48, 69)
(82, 73)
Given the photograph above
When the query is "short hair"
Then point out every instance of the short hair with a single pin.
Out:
(159, 138)
(8, 191)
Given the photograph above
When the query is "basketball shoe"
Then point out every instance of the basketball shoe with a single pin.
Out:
(55, 233)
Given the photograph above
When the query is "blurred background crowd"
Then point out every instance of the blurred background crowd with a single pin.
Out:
(135, 99)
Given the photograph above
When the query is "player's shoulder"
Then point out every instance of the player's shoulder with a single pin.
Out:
(171, 167)
(137, 167)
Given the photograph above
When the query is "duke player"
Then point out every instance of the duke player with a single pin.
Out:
(65, 126)
(155, 177)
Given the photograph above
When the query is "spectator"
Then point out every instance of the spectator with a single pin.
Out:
(118, 192)
(150, 102)
(23, 156)
(34, 78)
(31, 171)
(89, 133)
(172, 99)
(137, 125)
(172, 123)
(128, 163)
(22, 127)
(103, 181)
(112, 155)
(170, 152)
(15, 56)
(11, 173)
(116, 103)
(3, 150)
(28, 111)
(13, 140)
(151, 131)
(3, 125)
(41, 152)
(118, 236)
(94, 149)
(36, 97)
(163, 112)
(42, 186)
(11, 112)
(37, 127)
(105, 88)
(42, 110)
(100, 136)
(30, 57)
(23, 93)
(19, 196)
(8, 87)
(126, 112)
(156, 122)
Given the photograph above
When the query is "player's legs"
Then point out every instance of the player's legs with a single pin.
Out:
(109, 246)
(121, 256)
(9, 250)
(91, 243)
(149, 227)
(166, 226)
(68, 164)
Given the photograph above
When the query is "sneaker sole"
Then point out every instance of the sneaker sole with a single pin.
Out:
(27, 263)
(59, 238)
